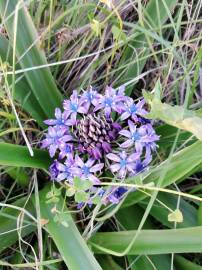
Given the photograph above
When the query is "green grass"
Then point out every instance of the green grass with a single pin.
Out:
(47, 49)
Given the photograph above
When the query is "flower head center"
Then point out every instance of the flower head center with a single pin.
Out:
(136, 136)
(85, 170)
(108, 102)
(74, 107)
(133, 108)
(123, 162)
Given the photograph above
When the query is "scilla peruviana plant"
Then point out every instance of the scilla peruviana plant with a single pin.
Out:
(99, 135)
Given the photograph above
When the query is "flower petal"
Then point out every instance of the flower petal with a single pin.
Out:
(115, 167)
(61, 176)
(79, 161)
(132, 126)
(52, 150)
(58, 113)
(113, 157)
(125, 115)
(93, 179)
(122, 173)
(125, 133)
(127, 144)
(90, 162)
(97, 167)
(133, 157)
(50, 122)
(75, 171)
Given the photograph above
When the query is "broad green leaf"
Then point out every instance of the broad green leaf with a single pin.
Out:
(160, 213)
(18, 156)
(30, 54)
(107, 263)
(130, 219)
(167, 137)
(149, 241)
(176, 116)
(66, 236)
(18, 174)
(184, 264)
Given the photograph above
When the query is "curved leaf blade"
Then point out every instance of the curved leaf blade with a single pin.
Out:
(18, 156)
(150, 241)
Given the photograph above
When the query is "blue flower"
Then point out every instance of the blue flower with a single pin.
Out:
(54, 138)
(90, 97)
(132, 110)
(74, 106)
(86, 170)
(123, 163)
(111, 101)
(64, 170)
(116, 195)
(143, 136)
(61, 119)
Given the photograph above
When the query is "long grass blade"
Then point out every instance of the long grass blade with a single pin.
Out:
(149, 241)
(23, 94)
(30, 54)
(150, 15)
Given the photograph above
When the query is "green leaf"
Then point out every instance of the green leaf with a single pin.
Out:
(23, 93)
(81, 196)
(96, 27)
(160, 213)
(18, 156)
(66, 236)
(175, 216)
(29, 54)
(70, 192)
(182, 263)
(82, 184)
(176, 116)
(149, 241)
(200, 214)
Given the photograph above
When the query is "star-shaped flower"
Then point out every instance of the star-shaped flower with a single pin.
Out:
(86, 170)
(123, 163)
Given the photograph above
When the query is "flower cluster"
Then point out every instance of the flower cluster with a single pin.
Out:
(99, 136)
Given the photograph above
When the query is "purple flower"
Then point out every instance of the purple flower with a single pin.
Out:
(123, 163)
(86, 170)
(150, 145)
(132, 109)
(54, 138)
(90, 97)
(89, 139)
(54, 170)
(116, 195)
(65, 172)
(65, 149)
(140, 137)
(61, 119)
(74, 106)
(111, 101)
